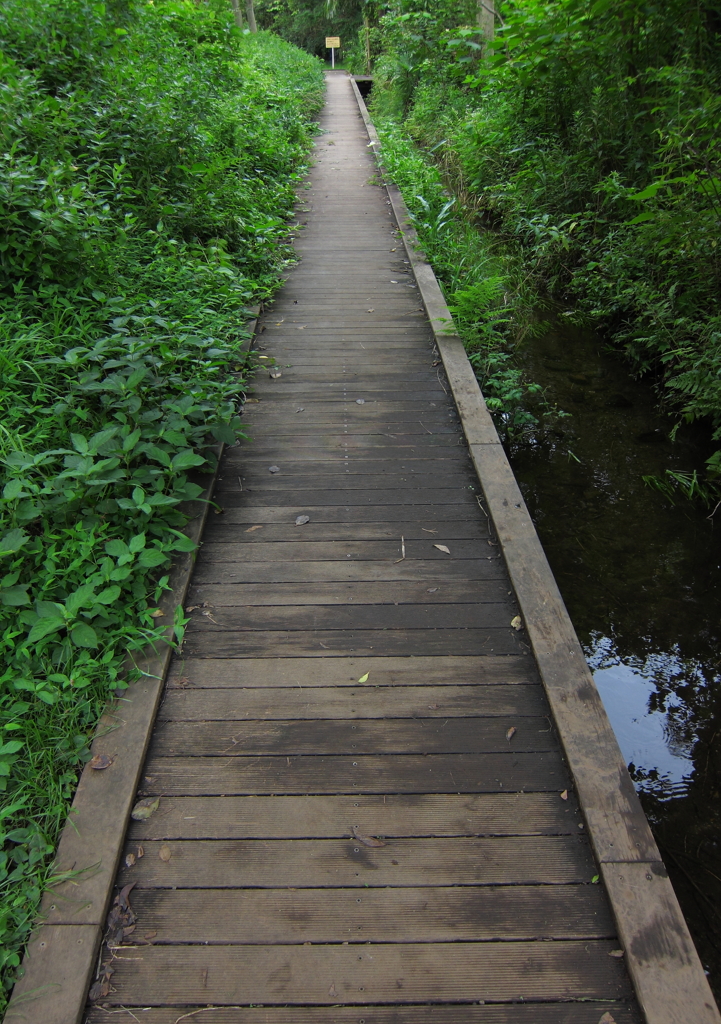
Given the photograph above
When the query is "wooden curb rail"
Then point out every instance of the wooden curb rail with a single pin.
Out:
(63, 952)
(668, 977)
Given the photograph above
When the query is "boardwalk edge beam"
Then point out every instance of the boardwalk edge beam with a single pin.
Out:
(670, 983)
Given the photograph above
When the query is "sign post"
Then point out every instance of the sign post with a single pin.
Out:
(332, 43)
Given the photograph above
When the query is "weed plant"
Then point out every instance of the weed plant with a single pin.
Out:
(474, 274)
(147, 170)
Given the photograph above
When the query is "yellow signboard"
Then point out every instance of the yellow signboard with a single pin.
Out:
(332, 42)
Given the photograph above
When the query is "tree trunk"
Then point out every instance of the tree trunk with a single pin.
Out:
(250, 15)
(486, 20)
(366, 25)
(237, 13)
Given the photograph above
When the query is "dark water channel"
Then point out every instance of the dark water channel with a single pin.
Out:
(640, 578)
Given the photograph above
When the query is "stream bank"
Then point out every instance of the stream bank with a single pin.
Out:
(640, 578)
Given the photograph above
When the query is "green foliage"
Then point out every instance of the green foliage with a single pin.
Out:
(147, 169)
(469, 271)
(587, 137)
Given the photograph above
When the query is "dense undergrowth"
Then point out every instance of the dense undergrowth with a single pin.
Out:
(147, 168)
(586, 137)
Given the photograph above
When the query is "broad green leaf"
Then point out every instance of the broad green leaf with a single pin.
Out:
(13, 489)
(151, 557)
(44, 627)
(83, 635)
(116, 548)
(108, 596)
(186, 459)
(15, 597)
(11, 747)
(12, 542)
(137, 543)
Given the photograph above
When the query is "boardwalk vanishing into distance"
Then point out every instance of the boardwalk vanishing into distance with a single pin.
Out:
(370, 807)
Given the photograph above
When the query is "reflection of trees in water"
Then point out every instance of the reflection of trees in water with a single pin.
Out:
(685, 816)
(684, 691)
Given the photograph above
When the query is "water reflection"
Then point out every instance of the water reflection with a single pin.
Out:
(655, 736)
(641, 581)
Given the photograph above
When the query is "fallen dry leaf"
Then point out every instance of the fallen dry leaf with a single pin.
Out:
(301, 409)
(274, 469)
(100, 761)
(141, 852)
(607, 1019)
(274, 374)
(331, 991)
(364, 679)
(371, 310)
(144, 808)
(149, 935)
(516, 622)
(252, 528)
(442, 547)
(366, 840)
(432, 590)
(403, 551)
(511, 733)
(129, 860)
(101, 988)
(564, 795)
(433, 707)
(302, 520)
(164, 853)
(617, 953)
(360, 401)
(120, 918)
(156, 614)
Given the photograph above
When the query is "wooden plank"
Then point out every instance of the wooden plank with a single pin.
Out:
(260, 594)
(350, 570)
(365, 550)
(412, 528)
(227, 494)
(425, 515)
(659, 950)
(329, 703)
(303, 672)
(58, 966)
(327, 974)
(389, 773)
(328, 817)
(457, 1013)
(409, 617)
(441, 914)
(341, 643)
(394, 736)
(318, 863)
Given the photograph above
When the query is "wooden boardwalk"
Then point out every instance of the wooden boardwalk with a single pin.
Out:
(365, 815)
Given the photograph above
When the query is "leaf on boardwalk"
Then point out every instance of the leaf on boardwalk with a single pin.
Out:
(302, 520)
(442, 547)
(301, 409)
(564, 795)
(607, 1019)
(366, 840)
(516, 622)
(254, 528)
(101, 988)
(511, 733)
(141, 852)
(274, 374)
(100, 761)
(432, 590)
(121, 917)
(164, 853)
(360, 401)
(364, 679)
(331, 991)
(144, 808)
(129, 860)
(274, 469)
(617, 953)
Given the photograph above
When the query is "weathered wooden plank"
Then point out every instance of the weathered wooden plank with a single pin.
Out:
(351, 570)
(309, 672)
(277, 704)
(659, 950)
(362, 550)
(456, 1013)
(441, 914)
(328, 974)
(224, 619)
(328, 817)
(426, 515)
(317, 863)
(389, 773)
(260, 594)
(228, 494)
(394, 736)
(298, 643)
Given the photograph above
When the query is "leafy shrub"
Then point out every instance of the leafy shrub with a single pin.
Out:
(147, 169)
